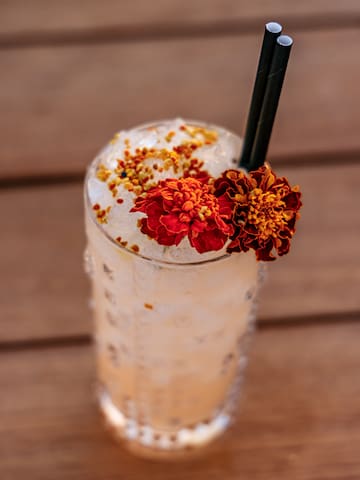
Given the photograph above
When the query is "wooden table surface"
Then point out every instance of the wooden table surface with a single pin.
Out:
(75, 72)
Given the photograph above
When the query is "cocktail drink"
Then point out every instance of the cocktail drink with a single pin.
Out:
(171, 323)
(173, 303)
(179, 220)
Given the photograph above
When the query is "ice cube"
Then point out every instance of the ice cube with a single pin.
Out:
(99, 193)
(121, 223)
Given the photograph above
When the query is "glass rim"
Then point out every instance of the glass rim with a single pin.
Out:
(121, 248)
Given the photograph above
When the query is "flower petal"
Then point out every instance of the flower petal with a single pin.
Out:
(172, 223)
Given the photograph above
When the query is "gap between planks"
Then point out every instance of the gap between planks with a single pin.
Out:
(292, 161)
(162, 32)
(271, 323)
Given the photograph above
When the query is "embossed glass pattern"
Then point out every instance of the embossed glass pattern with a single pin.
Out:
(171, 342)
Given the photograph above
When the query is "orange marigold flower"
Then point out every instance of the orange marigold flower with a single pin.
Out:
(176, 208)
(265, 210)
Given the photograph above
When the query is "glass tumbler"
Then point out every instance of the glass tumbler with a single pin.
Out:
(170, 342)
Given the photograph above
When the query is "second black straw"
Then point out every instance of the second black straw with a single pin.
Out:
(272, 31)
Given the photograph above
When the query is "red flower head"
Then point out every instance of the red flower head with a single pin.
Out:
(177, 208)
(265, 209)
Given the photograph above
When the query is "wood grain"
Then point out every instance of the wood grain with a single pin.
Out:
(41, 258)
(45, 293)
(75, 72)
(60, 105)
(19, 16)
(299, 415)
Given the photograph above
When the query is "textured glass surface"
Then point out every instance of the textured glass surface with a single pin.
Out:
(170, 342)
(171, 338)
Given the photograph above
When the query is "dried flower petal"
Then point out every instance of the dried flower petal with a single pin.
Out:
(265, 209)
(176, 208)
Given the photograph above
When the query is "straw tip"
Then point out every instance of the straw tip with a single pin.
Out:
(285, 41)
(273, 27)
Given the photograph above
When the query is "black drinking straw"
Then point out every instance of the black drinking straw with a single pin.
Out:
(272, 31)
(271, 101)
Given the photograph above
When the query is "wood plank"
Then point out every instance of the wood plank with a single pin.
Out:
(19, 16)
(41, 244)
(60, 105)
(45, 293)
(299, 415)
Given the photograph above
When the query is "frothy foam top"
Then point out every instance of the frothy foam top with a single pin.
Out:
(135, 160)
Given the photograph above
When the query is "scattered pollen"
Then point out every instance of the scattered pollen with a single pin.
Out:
(122, 242)
(136, 175)
(169, 136)
(115, 138)
(135, 248)
(103, 173)
(101, 213)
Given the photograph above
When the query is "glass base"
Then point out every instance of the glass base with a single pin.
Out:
(149, 442)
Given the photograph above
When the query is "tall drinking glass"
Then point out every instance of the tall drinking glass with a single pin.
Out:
(170, 341)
